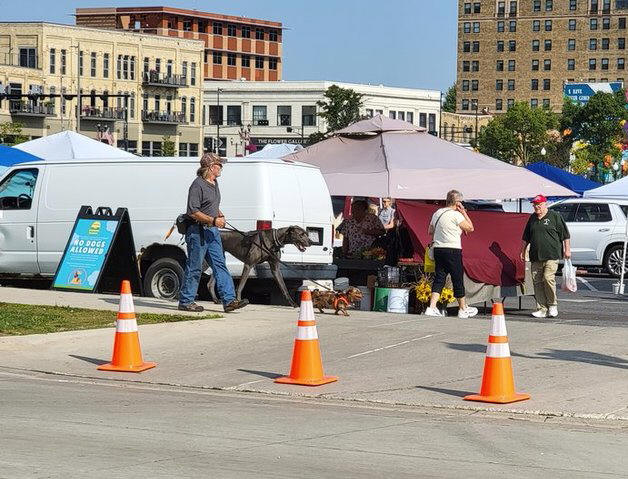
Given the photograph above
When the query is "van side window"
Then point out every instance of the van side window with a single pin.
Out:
(16, 190)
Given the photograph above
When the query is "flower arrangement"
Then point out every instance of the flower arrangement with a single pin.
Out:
(374, 253)
(423, 293)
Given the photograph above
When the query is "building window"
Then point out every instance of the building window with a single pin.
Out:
(187, 25)
(535, 84)
(125, 67)
(476, 47)
(474, 86)
(592, 44)
(511, 65)
(536, 25)
(548, 25)
(500, 27)
(80, 63)
(593, 6)
(146, 65)
(259, 115)
(606, 23)
(423, 119)
(217, 28)
(466, 27)
(215, 114)
(606, 6)
(571, 44)
(499, 85)
(510, 103)
(573, 4)
(272, 35)
(620, 63)
(604, 63)
(605, 43)
(193, 73)
(308, 115)
(512, 45)
(466, 47)
(272, 63)
(231, 30)
(259, 62)
(53, 60)
(92, 64)
(217, 57)
(105, 65)
(192, 110)
(184, 70)
(169, 68)
(246, 61)
(512, 26)
(621, 43)
(499, 66)
(548, 45)
(498, 104)
(549, 5)
(511, 84)
(63, 61)
(467, 8)
(259, 34)
(28, 57)
(534, 103)
(546, 102)
(572, 24)
(234, 115)
(535, 45)
(535, 65)
(571, 64)
(547, 84)
(392, 114)
(410, 117)
(284, 115)
(513, 8)
(593, 24)
(119, 67)
(465, 105)
(500, 46)
(536, 6)
(621, 23)
(547, 64)
(476, 7)
(231, 59)
(592, 64)
(246, 32)
(476, 27)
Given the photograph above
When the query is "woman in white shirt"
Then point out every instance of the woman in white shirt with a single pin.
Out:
(446, 228)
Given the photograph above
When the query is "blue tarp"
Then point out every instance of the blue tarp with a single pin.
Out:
(10, 156)
(564, 178)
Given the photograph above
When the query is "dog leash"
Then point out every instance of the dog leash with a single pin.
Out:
(263, 246)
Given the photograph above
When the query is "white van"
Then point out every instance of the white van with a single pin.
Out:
(39, 201)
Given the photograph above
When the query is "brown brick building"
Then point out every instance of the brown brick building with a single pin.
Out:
(235, 47)
(526, 50)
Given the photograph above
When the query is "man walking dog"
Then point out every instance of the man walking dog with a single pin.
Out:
(202, 238)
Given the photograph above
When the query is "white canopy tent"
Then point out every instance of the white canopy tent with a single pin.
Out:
(616, 190)
(69, 145)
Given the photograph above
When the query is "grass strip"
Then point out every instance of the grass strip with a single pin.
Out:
(21, 319)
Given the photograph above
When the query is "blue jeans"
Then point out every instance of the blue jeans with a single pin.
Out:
(211, 250)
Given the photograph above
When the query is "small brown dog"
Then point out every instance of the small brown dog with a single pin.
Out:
(338, 300)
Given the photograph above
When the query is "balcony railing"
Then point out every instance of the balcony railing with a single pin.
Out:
(154, 78)
(106, 113)
(29, 109)
(163, 117)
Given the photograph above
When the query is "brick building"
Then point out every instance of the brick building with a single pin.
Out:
(235, 47)
(526, 50)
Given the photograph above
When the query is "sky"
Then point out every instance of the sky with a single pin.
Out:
(406, 43)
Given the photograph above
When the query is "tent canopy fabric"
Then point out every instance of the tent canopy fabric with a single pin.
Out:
(616, 189)
(10, 156)
(69, 145)
(575, 183)
(276, 151)
(378, 124)
(416, 165)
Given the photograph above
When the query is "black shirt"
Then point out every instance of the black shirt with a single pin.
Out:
(546, 236)
(203, 197)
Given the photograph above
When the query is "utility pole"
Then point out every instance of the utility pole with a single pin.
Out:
(78, 87)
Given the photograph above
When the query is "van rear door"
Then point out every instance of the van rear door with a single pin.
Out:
(19, 192)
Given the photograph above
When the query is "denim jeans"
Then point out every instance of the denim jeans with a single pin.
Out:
(211, 250)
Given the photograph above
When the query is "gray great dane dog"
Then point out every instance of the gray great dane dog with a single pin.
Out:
(255, 247)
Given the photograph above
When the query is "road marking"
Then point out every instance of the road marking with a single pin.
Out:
(587, 284)
(390, 324)
(392, 346)
(579, 300)
(245, 384)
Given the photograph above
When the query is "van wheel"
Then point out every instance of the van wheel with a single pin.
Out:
(613, 259)
(163, 279)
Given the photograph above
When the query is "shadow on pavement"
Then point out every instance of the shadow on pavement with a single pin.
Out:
(265, 374)
(450, 392)
(89, 360)
(471, 348)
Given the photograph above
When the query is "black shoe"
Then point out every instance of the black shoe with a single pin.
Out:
(236, 304)
(192, 308)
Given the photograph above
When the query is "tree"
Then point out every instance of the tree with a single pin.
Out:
(450, 99)
(11, 134)
(340, 109)
(519, 135)
(168, 147)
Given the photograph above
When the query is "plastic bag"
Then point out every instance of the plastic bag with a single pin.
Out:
(569, 277)
(429, 265)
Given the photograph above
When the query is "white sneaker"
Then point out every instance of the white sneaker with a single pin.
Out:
(553, 311)
(469, 312)
(432, 312)
(540, 314)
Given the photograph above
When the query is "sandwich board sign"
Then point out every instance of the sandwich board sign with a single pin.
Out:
(99, 254)
(582, 92)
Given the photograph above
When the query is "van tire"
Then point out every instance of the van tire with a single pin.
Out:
(163, 279)
(612, 260)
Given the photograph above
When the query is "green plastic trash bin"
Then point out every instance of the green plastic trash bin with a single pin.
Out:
(380, 302)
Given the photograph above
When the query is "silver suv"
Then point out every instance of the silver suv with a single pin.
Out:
(597, 228)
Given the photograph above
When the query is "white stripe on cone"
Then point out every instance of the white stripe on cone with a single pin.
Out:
(126, 326)
(497, 350)
(498, 325)
(307, 332)
(306, 312)
(126, 304)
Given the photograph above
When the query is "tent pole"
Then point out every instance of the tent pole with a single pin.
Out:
(623, 264)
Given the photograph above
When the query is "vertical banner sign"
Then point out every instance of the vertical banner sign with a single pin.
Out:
(100, 253)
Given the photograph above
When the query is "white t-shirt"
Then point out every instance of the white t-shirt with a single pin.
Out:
(447, 233)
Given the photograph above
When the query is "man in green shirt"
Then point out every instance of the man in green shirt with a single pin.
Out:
(548, 237)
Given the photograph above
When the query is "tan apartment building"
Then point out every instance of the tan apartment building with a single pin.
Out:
(161, 76)
(526, 50)
(235, 47)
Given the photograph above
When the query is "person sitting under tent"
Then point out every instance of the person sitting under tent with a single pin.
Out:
(360, 230)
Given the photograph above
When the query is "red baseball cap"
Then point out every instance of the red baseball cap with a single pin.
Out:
(539, 199)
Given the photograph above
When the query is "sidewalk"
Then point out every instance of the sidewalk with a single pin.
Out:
(569, 368)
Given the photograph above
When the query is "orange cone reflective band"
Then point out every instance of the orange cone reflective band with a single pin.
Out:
(307, 365)
(127, 355)
(498, 383)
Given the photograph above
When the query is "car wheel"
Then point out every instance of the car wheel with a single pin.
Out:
(613, 259)
(163, 279)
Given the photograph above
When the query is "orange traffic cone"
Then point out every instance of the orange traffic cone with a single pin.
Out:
(127, 355)
(498, 384)
(307, 365)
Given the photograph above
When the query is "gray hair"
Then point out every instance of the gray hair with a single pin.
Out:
(453, 196)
